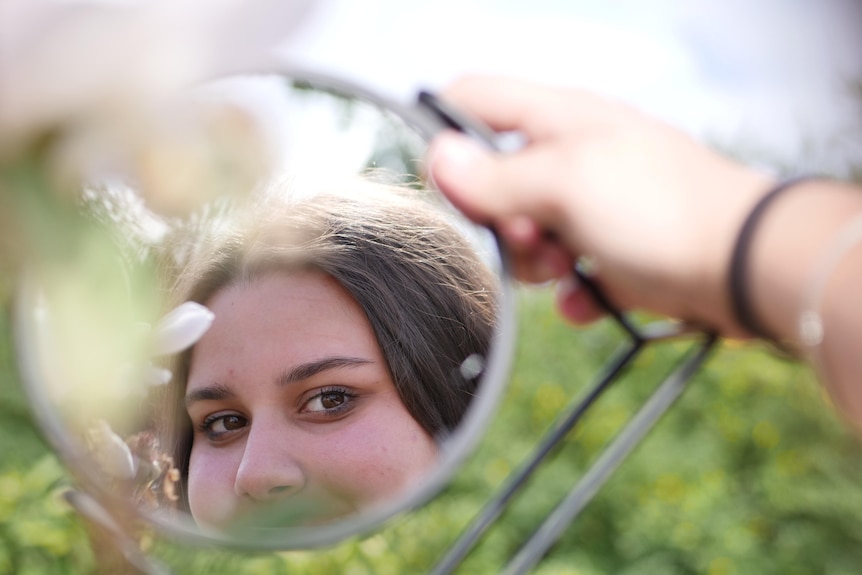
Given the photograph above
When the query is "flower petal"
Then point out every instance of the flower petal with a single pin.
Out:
(54, 65)
(111, 453)
(156, 376)
(181, 328)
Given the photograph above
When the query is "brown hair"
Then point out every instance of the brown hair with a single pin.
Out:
(430, 299)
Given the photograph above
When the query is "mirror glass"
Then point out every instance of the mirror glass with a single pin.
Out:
(265, 329)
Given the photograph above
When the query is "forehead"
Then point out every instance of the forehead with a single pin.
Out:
(282, 319)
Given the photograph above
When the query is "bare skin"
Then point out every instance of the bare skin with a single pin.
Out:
(658, 212)
(294, 408)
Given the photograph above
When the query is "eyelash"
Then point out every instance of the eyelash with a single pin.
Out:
(349, 398)
(215, 436)
(347, 404)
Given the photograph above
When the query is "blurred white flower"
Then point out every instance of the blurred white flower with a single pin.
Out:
(83, 92)
(110, 452)
(181, 328)
(177, 331)
(156, 376)
(61, 60)
(85, 85)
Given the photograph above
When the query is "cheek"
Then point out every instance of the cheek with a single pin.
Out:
(212, 499)
(375, 458)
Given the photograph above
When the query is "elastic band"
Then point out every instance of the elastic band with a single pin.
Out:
(738, 277)
(810, 323)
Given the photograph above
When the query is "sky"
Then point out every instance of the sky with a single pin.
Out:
(769, 79)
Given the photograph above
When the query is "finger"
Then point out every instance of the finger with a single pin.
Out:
(490, 187)
(540, 267)
(575, 302)
(538, 111)
(534, 257)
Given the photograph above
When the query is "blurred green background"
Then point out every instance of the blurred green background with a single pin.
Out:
(750, 473)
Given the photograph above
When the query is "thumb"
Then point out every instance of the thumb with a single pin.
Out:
(491, 187)
(463, 170)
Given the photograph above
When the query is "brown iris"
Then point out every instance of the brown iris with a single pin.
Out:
(331, 400)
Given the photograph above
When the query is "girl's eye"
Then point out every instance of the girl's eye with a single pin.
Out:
(329, 402)
(219, 426)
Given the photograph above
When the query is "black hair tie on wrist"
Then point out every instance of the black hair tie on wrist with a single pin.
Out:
(739, 296)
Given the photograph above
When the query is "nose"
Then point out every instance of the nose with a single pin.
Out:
(268, 470)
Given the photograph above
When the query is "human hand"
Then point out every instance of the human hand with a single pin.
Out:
(653, 209)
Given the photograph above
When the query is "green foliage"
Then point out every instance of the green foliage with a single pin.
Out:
(751, 472)
(38, 532)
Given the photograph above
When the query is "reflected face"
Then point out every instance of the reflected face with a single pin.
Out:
(292, 403)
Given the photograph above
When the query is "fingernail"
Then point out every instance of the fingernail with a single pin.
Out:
(454, 157)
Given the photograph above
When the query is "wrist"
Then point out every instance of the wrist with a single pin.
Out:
(734, 197)
(740, 269)
(789, 241)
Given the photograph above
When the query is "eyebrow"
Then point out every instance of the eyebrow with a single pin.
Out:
(312, 368)
(218, 391)
(214, 392)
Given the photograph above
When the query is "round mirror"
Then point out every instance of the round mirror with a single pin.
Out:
(261, 328)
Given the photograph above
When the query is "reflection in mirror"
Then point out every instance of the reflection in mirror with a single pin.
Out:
(335, 362)
(303, 352)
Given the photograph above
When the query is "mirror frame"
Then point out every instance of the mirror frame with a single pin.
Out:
(453, 453)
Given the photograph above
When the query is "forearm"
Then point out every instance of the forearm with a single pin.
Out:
(658, 213)
(794, 239)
